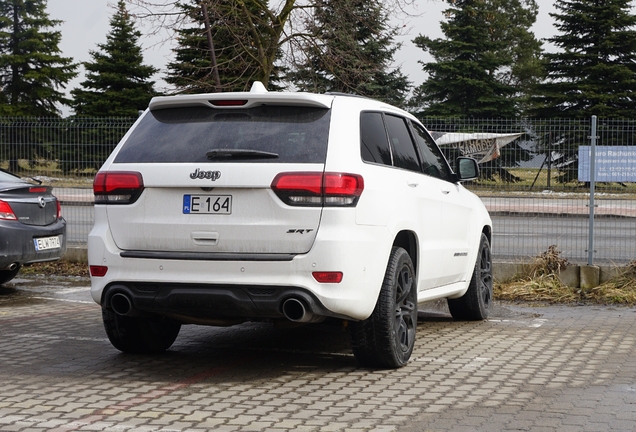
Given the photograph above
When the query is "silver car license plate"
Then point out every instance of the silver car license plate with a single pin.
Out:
(47, 243)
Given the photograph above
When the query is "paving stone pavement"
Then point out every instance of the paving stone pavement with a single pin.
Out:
(526, 369)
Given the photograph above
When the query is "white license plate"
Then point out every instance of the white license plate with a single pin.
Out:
(207, 204)
(47, 243)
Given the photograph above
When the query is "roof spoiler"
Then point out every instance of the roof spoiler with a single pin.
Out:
(258, 95)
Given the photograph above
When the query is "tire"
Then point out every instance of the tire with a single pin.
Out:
(7, 275)
(386, 339)
(140, 335)
(476, 303)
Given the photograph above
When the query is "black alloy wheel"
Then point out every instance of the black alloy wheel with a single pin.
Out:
(386, 339)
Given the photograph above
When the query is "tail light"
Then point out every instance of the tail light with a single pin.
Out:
(315, 189)
(59, 209)
(6, 212)
(98, 271)
(117, 187)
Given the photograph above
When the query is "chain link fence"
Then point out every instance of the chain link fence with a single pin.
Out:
(63, 153)
(537, 188)
(533, 176)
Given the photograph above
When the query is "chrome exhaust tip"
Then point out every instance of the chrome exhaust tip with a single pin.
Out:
(295, 310)
(121, 304)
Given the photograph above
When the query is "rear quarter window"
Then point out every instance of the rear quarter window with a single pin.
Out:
(295, 134)
(374, 144)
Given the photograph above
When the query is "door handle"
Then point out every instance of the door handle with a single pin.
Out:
(205, 238)
(445, 191)
(412, 184)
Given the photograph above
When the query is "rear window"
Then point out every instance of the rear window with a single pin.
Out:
(295, 134)
(7, 177)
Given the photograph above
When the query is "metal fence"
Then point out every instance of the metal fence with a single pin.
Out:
(538, 189)
(63, 153)
(65, 149)
(532, 177)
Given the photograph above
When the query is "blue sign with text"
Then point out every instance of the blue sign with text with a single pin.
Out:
(613, 164)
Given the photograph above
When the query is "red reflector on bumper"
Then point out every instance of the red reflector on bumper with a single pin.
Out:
(98, 271)
(327, 277)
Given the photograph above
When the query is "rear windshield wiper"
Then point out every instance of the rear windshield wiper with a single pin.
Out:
(239, 154)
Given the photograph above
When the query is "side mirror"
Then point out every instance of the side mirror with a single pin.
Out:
(467, 169)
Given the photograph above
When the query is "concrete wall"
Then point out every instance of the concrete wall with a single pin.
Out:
(575, 276)
(76, 255)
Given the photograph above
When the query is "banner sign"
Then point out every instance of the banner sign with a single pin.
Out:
(483, 147)
(613, 164)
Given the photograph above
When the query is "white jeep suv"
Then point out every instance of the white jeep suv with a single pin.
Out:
(221, 208)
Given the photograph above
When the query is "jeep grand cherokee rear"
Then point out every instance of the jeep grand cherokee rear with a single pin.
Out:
(223, 208)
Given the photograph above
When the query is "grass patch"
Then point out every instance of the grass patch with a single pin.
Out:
(536, 181)
(620, 290)
(545, 289)
(56, 268)
(50, 174)
(542, 284)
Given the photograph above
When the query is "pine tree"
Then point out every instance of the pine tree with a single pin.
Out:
(117, 82)
(350, 51)
(486, 62)
(594, 72)
(32, 71)
(246, 43)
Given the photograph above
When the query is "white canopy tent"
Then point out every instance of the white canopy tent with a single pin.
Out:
(483, 147)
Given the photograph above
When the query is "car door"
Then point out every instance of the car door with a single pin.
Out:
(456, 210)
(427, 197)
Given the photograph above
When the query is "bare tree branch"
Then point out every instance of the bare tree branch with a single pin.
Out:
(273, 28)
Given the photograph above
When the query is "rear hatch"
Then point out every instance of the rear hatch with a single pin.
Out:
(203, 171)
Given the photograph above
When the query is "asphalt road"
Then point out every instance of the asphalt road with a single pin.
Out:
(527, 236)
(534, 369)
(515, 236)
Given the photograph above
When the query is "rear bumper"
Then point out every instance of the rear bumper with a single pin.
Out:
(213, 303)
(226, 288)
(16, 242)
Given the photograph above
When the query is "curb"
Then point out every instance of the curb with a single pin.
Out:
(76, 254)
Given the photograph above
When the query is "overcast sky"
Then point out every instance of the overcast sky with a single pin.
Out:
(86, 23)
